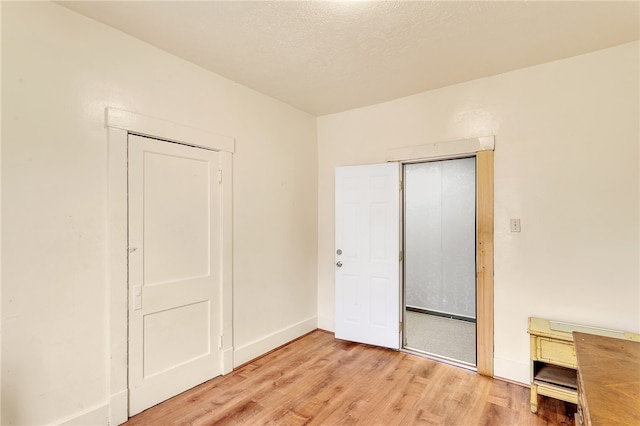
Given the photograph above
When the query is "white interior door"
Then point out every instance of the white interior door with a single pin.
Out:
(367, 256)
(174, 269)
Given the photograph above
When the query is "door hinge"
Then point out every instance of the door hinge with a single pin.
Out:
(219, 175)
(400, 327)
(221, 342)
(400, 256)
(400, 186)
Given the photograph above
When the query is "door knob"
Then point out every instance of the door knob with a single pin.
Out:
(339, 264)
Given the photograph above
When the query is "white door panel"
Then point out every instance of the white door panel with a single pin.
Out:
(174, 269)
(367, 217)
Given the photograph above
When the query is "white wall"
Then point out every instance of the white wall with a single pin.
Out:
(566, 164)
(59, 72)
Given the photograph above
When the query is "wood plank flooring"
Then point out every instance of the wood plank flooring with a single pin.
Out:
(318, 380)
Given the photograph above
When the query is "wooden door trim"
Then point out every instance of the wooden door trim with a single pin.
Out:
(484, 262)
(119, 125)
(160, 129)
(482, 149)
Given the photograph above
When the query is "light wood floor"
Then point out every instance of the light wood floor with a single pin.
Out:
(320, 380)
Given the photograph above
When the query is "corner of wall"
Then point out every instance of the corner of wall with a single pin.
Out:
(511, 370)
(326, 323)
(267, 343)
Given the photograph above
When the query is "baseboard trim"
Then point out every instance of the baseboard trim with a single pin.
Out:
(512, 371)
(327, 323)
(98, 416)
(115, 412)
(258, 347)
(227, 360)
(119, 407)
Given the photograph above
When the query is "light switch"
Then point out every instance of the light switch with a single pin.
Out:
(515, 225)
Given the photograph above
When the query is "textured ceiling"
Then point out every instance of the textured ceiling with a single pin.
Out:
(326, 57)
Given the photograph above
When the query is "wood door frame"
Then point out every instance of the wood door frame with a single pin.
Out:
(484, 262)
(119, 125)
(482, 148)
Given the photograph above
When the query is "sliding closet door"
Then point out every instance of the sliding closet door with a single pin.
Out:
(439, 261)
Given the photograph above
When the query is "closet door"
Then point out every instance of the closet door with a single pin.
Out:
(174, 269)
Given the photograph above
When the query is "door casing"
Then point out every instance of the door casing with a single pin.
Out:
(119, 125)
(484, 262)
(483, 149)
